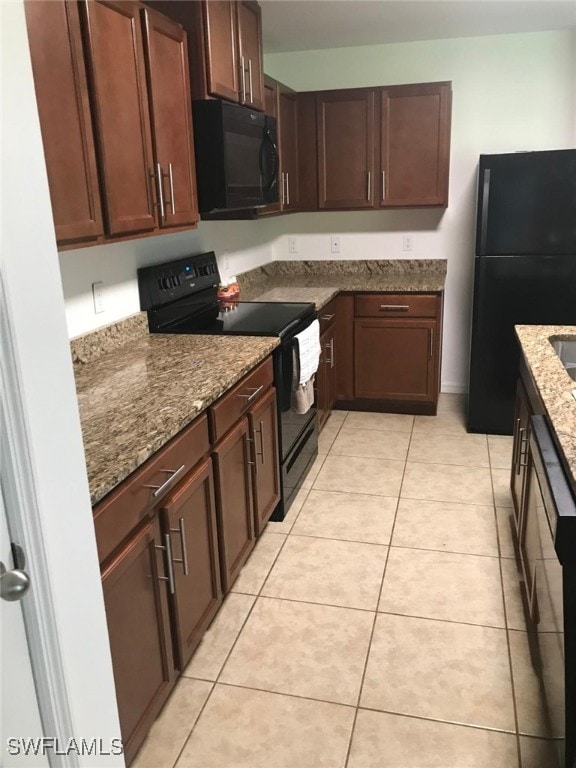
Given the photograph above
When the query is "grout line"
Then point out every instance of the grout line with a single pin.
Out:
(458, 723)
(353, 729)
(290, 695)
(202, 708)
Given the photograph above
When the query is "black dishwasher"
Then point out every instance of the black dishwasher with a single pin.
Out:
(549, 563)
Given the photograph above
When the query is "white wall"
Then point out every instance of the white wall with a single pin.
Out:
(57, 472)
(510, 92)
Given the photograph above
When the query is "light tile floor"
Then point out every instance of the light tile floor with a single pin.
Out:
(379, 626)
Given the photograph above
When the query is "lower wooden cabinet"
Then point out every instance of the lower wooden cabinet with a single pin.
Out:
(395, 359)
(232, 463)
(263, 423)
(326, 376)
(137, 613)
(189, 518)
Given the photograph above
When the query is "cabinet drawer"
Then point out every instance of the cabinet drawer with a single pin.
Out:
(226, 412)
(396, 304)
(327, 315)
(127, 505)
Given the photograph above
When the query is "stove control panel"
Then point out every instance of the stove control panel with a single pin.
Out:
(164, 283)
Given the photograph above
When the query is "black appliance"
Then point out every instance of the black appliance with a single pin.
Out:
(236, 157)
(549, 547)
(181, 297)
(525, 270)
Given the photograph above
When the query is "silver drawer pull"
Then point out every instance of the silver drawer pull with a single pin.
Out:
(397, 307)
(171, 180)
(327, 317)
(261, 433)
(168, 549)
(254, 393)
(182, 531)
(174, 473)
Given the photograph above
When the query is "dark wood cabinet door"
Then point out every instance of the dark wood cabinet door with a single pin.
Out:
(250, 53)
(222, 64)
(395, 359)
(171, 117)
(189, 517)
(344, 347)
(139, 630)
(415, 145)
(321, 382)
(271, 88)
(232, 457)
(63, 106)
(331, 358)
(345, 124)
(520, 453)
(263, 420)
(120, 106)
(288, 146)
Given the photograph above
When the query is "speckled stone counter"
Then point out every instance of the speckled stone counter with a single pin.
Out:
(136, 397)
(553, 383)
(320, 281)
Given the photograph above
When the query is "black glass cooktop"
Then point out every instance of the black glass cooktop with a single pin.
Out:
(248, 318)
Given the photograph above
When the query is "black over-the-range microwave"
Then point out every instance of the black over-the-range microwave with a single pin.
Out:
(236, 157)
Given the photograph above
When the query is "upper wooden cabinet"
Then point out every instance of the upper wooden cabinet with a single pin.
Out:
(415, 145)
(63, 105)
(345, 125)
(375, 147)
(225, 48)
(288, 148)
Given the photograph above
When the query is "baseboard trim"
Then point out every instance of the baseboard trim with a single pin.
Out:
(454, 389)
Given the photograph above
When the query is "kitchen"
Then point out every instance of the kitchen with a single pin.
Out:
(484, 73)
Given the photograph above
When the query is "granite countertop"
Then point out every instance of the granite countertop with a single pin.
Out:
(556, 388)
(320, 281)
(135, 397)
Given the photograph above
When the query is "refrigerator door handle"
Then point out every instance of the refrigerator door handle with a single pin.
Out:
(484, 212)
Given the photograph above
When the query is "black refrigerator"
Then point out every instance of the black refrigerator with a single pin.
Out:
(525, 270)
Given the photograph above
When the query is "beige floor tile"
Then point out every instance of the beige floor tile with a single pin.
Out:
(391, 741)
(285, 526)
(463, 450)
(336, 418)
(327, 437)
(258, 565)
(442, 585)
(371, 443)
(443, 526)
(445, 482)
(241, 728)
(313, 472)
(444, 423)
(442, 670)
(452, 402)
(532, 720)
(347, 516)
(500, 448)
(501, 484)
(307, 650)
(344, 573)
(348, 474)
(511, 577)
(390, 422)
(170, 731)
(505, 519)
(215, 646)
(540, 753)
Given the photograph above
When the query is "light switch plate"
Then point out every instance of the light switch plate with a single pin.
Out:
(335, 243)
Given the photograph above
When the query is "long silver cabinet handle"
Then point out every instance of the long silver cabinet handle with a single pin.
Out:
(171, 179)
(431, 342)
(243, 70)
(250, 81)
(395, 307)
(182, 531)
(253, 395)
(369, 186)
(287, 188)
(332, 353)
(516, 444)
(168, 549)
(383, 185)
(282, 198)
(158, 177)
(261, 431)
(174, 473)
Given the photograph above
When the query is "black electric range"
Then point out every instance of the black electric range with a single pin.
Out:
(181, 297)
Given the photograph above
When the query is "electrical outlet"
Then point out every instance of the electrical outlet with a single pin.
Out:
(408, 243)
(292, 245)
(335, 243)
(98, 296)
